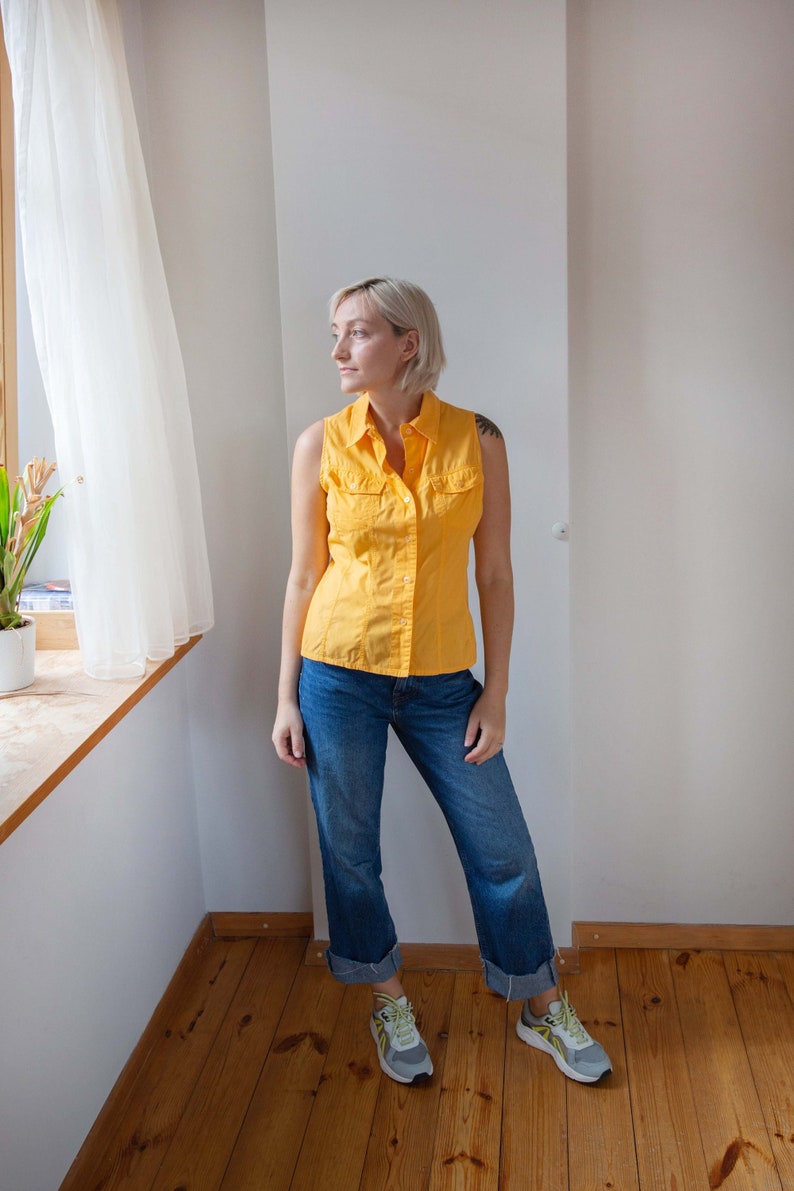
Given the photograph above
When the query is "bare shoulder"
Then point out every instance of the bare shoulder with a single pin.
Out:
(309, 445)
(487, 428)
(493, 448)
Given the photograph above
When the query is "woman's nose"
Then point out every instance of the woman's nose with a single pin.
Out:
(339, 350)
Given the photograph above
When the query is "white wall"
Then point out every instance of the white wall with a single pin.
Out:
(441, 157)
(211, 177)
(682, 421)
(100, 894)
(428, 141)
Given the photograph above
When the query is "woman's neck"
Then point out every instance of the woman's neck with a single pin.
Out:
(392, 410)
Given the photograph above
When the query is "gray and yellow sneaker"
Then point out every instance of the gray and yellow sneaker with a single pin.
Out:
(560, 1034)
(401, 1052)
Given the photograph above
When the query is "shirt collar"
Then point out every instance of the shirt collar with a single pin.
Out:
(426, 421)
(429, 416)
(358, 419)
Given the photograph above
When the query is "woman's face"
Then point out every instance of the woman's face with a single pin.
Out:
(366, 350)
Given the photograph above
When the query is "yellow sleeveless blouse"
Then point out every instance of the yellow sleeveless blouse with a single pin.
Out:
(394, 598)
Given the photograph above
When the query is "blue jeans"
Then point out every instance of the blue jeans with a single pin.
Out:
(346, 715)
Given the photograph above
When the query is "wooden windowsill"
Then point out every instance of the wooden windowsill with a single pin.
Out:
(47, 729)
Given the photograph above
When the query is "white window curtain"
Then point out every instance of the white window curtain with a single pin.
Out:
(106, 339)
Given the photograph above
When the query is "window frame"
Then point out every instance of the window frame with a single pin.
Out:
(55, 630)
(9, 427)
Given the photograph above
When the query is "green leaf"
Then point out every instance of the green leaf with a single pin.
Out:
(9, 563)
(14, 564)
(36, 536)
(5, 507)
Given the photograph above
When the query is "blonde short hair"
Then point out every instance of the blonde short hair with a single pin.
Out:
(407, 308)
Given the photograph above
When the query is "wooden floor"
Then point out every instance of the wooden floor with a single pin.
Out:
(264, 1076)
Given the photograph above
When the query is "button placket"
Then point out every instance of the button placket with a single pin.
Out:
(413, 445)
(404, 579)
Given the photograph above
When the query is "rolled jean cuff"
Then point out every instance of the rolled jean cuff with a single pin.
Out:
(518, 988)
(352, 971)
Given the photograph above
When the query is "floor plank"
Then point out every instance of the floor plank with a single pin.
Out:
(335, 1145)
(600, 1129)
(199, 1152)
(269, 1143)
(152, 1114)
(785, 965)
(669, 1153)
(732, 1128)
(534, 1117)
(403, 1130)
(105, 1127)
(764, 1008)
(466, 1153)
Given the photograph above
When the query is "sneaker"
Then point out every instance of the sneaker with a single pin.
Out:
(562, 1035)
(401, 1052)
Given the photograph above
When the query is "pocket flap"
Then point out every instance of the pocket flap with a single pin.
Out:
(459, 480)
(360, 483)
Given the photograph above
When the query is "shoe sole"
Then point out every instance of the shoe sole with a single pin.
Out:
(528, 1035)
(420, 1077)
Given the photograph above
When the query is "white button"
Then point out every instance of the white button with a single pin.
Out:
(460, 483)
(407, 499)
(403, 620)
(409, 429)
(408, 539)
(354, 486)
(406, 578)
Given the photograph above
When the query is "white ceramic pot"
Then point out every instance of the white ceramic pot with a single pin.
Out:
(18, 656)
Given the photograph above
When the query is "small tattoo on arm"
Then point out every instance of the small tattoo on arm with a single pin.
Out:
(486, 426)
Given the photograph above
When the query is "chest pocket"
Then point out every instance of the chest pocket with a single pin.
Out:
(354, 498)
(457, 496)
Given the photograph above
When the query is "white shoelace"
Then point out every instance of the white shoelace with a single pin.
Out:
(402, 1018)
(566, 1017)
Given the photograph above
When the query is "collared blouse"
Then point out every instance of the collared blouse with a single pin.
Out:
(394, 597)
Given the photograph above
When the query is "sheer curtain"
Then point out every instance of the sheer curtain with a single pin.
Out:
(106, 339)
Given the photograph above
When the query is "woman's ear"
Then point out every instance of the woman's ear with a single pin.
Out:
(410, 345)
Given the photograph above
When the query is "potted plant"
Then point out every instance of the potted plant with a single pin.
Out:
(24, 515)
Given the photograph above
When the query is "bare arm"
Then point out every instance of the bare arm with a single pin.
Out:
(309, 561)
(494, 577)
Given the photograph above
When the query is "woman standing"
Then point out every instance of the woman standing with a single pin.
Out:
(387, 496)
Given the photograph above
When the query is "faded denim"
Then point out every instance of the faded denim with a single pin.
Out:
(347, 714)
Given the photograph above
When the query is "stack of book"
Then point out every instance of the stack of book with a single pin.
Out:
(55, 596)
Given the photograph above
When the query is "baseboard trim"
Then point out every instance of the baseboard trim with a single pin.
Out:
(567, 961)
(446, 957)
(465, 957)
(104, 1128)
(260, 926)
(443, 957)
(682, 936)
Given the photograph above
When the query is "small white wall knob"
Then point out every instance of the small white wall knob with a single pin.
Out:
(561, 530)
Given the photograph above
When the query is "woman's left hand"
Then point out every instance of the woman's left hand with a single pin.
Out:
(486, 727)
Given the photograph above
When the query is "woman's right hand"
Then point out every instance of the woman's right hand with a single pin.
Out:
(288, 734)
